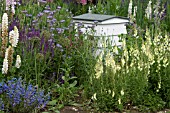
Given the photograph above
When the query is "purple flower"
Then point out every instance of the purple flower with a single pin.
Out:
(40, 14)
(47, 7)
(59, 7)
(60, 30)
(42, 1)
(62, 21)
(49, 17)
(28, 15)
(1, 104)
(15, 92)
(46, 11)
(24, 11)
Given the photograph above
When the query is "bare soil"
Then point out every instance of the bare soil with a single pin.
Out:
(72, 109)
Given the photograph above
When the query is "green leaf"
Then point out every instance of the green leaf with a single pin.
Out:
(72, 78)
(60, 106)
(73, 84)
(45, 112)
(57, 111)
(76, 104)
(53, 102)
(64, 78)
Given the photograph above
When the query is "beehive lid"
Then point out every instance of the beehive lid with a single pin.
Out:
(95, 17)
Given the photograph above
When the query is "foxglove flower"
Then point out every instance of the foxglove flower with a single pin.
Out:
(119, 101)
(122, 92)
(5, 66)
(148, 10)
(130, 9)
(18, 61)
(113, 94)
(134, 13)
(94, 96)
(99, 67)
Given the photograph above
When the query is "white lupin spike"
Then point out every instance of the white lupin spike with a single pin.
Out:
(5, 66)
(18, 62)
(4, 22)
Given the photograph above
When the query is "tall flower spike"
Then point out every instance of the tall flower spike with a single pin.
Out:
(13, 37)
(4, 34)
(6, 53)
(130, 9)
(13, 9)
(10, 56)
(5, 66)
(13, 3)
(148, 10)
(16, 35)
(18, 62)
(134, 12)
(4, 25)
(99, 67)
(8, 3)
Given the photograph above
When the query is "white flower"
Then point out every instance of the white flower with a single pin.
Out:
(99, 68)
(11, 37)
(122, 62)
(4, 22)
(115, 50)
(6, 53)
(130, 9)
(119, 101)
(148, 10)
(18, 62)
(135, 32)
(109, 91)
(11, 3)
(94, 97)
(122, 92)
(8, 3)
(156, 9)
(165, 62)
(14, 36)
(135, 10)
(159, 84)
(5, 66)
(113, 94)
(13, 9)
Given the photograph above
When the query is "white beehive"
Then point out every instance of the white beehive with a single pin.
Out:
(107, 26)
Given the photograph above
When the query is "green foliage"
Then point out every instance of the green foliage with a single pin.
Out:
(151, 102)
(64, 92)
(111, 82)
